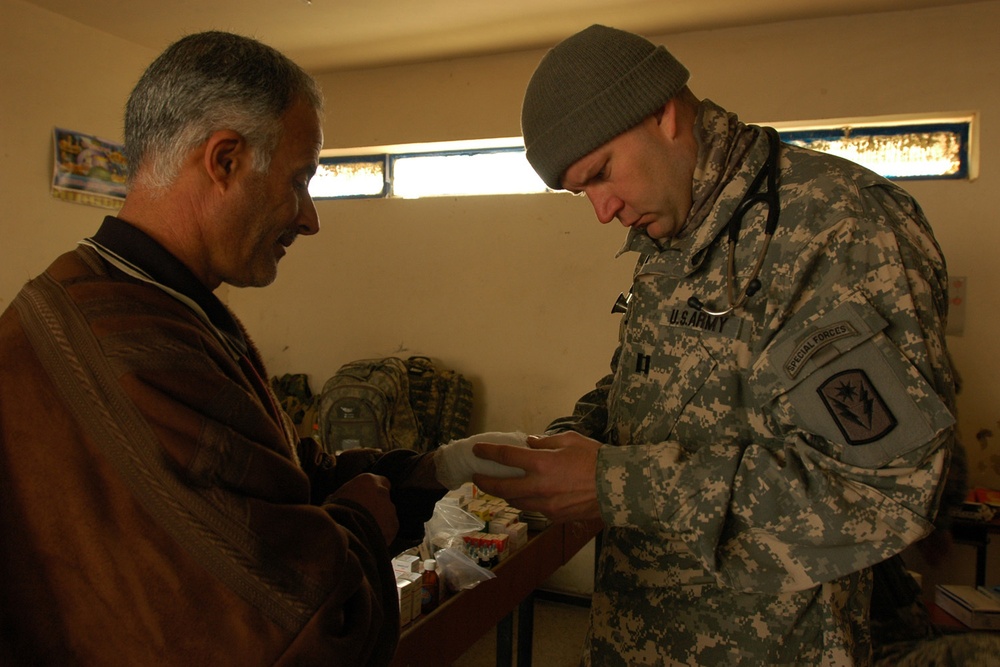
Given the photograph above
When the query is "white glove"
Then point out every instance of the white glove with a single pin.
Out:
(456, 463)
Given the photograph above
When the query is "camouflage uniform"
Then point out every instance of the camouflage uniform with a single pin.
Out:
(766, 459)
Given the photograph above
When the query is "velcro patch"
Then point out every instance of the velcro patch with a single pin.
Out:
(816, 341)
(682, 315)
(856, 407)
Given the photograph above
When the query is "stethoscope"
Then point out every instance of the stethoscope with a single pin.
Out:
(754, 196)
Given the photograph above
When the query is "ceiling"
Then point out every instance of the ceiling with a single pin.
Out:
(338, 34)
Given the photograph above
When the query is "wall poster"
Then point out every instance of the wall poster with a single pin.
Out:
(87, 170)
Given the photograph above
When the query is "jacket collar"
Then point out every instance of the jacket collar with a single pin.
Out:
(139, 254)
(730, 153)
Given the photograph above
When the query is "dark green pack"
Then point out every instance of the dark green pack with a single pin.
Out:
(441, 400)
(297, 400)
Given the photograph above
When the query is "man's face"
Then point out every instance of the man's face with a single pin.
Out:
(643, 177)
(275, 207)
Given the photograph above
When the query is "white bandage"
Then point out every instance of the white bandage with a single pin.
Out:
(456, 463)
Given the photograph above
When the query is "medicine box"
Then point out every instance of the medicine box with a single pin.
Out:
(405, 589)
(417, 580)
(500, 523)
(518, 534)
(978, 608)
(406, 563)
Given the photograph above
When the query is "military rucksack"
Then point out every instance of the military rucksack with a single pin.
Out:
(441, 400)
(366, 403)
(297, 400)
(391, 403)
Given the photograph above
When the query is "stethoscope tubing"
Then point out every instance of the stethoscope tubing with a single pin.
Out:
(769, 171)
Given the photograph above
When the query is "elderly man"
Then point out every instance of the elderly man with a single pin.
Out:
(155, 504)
(779, 413)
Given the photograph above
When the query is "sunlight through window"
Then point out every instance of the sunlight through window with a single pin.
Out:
(895, 147)
(357, 177)
(488, 173)
(911, 153)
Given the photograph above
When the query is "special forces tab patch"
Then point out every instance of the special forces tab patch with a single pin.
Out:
(814, 342)
(856, 407)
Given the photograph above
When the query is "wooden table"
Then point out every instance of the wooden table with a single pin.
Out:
(440, 637)
(976, 534)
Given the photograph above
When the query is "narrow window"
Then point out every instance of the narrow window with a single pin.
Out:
(925, 151)
(489, 172)
(907, 148)
(340, 177)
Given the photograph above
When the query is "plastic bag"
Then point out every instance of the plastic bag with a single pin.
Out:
(443, 537)
(459, 571)
(447, 526)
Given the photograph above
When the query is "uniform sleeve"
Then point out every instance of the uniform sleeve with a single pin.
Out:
(848, 423)
(590, 414)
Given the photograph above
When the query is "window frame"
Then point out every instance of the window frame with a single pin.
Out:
(358, 159)
(958, 127)
(965, 124)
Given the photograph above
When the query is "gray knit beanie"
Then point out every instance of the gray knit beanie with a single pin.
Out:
(587, 90)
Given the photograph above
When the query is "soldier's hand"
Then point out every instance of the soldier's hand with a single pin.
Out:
(559, 480)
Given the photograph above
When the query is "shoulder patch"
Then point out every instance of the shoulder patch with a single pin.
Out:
(816, 341)
(856, 407)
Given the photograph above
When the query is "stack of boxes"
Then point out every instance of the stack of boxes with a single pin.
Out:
(504, 533)
(409, 581)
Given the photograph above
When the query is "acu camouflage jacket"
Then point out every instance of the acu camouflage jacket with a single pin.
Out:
(768, 456)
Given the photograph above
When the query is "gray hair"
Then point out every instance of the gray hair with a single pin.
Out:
(204, 83)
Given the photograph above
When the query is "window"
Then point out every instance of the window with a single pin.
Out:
(488, 167)
(362, 176)
(490, 172)
(905, 150)
(898, 148)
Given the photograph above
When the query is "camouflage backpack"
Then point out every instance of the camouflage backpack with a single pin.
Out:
(441, 400)
(390, 403)
(297, 400)
(366, 403)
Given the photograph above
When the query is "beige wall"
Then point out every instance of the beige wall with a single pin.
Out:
(516, 291)
(53, 73)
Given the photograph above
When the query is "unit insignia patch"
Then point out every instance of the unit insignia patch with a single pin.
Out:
(856, 407)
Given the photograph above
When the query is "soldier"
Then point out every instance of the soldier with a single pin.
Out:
(779, 414)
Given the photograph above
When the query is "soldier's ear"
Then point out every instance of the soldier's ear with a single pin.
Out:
(667, 118)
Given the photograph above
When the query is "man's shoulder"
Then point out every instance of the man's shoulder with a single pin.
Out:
(820, 190)
(80, 287)
(826, 171)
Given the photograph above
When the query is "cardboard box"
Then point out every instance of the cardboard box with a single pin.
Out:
(406, 563)
(500, 523)
(405, 588)
(978, 608)
(518, 533)
(417, 580)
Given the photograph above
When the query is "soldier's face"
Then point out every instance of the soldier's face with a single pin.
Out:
(642, 177)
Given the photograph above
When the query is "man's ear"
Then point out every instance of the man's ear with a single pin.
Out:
(226, 154)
